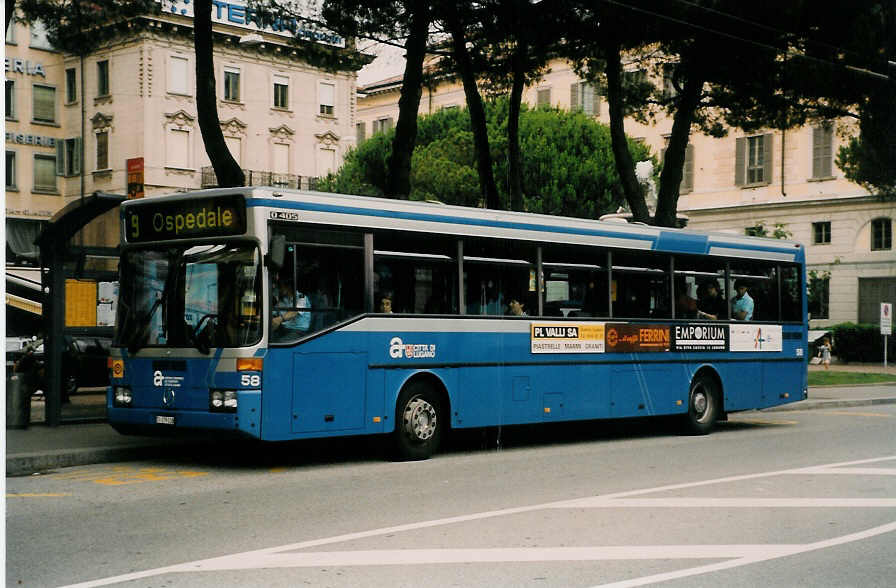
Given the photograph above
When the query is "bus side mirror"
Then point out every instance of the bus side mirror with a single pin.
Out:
(277, 252)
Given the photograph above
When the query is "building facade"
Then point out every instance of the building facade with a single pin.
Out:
(754, 183)
(124, 119)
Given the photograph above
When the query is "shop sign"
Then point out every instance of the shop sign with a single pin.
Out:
(626, 338)
(240, 13)
(567, 337)
(706, 337)
(23, 66)
(23, 139)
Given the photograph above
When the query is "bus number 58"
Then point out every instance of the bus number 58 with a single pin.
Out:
(250, 380)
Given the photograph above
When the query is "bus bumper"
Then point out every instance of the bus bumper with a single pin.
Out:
(154, 421)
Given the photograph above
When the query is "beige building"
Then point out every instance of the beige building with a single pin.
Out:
(736, 183)
(124, 119)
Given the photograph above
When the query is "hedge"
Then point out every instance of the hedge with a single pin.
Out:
(861, 342)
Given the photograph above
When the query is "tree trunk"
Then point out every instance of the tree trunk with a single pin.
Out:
(673, 165)
(399, 174)
(513, 126)
(625, 166)
(227, 170)
(477, 117)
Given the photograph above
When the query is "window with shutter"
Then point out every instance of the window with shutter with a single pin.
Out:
(102, 150)
(177, 149)
(327, 98)
(822, 151)
(44, 173)
(281, 92)
(102, 78)
(360, 132)
(71, 86)
(232, 84)
(543, 97)
(11, 170)
(10, 99)
(44, 105)
(178, 75)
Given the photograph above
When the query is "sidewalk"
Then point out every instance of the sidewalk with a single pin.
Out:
(41, 448)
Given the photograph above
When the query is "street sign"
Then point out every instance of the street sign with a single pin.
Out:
(886, 318)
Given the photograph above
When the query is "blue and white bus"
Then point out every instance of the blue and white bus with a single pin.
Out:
(284, 315)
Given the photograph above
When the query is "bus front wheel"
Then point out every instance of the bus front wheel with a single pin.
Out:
(418, 423)
(703, 406)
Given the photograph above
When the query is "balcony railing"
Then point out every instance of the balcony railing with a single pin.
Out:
(263, 178)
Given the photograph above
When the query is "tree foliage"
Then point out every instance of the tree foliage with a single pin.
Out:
(78, 27)
(567, 164)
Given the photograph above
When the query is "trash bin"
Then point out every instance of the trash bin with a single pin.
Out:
(18, 400)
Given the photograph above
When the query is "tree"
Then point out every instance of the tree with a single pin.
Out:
(456, 23)
(566, 167)
(227, 170)
(78, 27)
(393, 21)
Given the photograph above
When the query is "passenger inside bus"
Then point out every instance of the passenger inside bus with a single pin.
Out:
(385, 303)
(710, 304)
(742, 304)
(685, 305)
(289, 320)
(515, 306)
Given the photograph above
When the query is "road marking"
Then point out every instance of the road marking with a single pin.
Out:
(277, 556)
(857, 471)
(122, 475)
(700, 502)
(37, 494)
(865, 414)
(686, 573)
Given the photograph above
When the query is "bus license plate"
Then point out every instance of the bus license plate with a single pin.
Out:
(164, 420)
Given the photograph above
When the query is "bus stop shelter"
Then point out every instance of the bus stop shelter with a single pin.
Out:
(75, 267)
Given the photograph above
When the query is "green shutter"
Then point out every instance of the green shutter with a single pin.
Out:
(687, 177)
(574, 97)
(767, 158)
(60, 157)
(76, 157)
(588, 99)
(740, 154)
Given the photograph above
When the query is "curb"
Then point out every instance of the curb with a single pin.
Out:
(813, 404)
(26, 464)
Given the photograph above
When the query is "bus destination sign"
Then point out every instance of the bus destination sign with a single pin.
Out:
(159, 220)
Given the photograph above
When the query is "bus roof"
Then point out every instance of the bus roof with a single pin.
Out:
(372, 212)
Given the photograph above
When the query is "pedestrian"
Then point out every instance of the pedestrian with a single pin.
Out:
(825, 351)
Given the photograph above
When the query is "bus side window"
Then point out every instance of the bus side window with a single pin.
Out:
(643, 286)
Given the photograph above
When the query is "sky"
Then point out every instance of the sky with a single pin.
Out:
(389, 62)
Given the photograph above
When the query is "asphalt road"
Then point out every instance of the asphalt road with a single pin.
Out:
(771, 499)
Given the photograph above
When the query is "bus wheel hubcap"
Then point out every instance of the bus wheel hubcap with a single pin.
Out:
(420, 419)
(700, 403)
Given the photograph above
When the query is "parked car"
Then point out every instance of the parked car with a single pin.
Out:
(84, 361)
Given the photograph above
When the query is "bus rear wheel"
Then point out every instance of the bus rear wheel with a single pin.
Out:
(419, 421)
(703, 406)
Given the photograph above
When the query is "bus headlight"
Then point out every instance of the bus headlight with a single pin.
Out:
(222, 400)
(123, 397)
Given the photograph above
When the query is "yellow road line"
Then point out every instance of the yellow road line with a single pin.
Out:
(37, 494)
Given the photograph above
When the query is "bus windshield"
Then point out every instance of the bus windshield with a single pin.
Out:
(199, 296)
